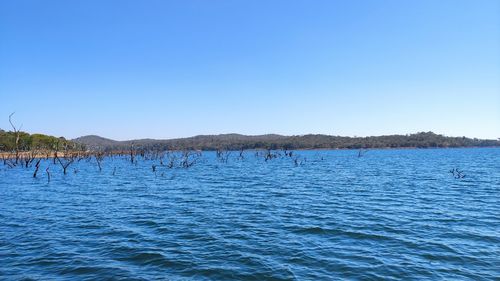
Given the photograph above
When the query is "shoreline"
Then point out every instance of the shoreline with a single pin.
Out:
(52, 154)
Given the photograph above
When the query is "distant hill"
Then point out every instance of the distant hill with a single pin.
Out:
(271, 141)
(95, 142)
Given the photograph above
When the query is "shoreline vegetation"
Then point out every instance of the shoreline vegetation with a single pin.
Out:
(19, 143)
(44, 146)
(236, 142)
(52, 154)
(20, 149)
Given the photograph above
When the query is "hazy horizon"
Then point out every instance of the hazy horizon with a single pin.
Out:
(169, 69)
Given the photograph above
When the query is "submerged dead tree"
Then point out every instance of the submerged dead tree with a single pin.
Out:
(188, 159)
(287, 153)
(457, 173)
(171, 159)
(48, 174)
(37, 166)
(132, 154)
(362, 152)
(223, 155)
(270, 155)
(17, 136)
(99, 157)
(28, 158)
(240, 156)
(68, 160)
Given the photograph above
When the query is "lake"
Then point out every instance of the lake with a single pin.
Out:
(390, 214)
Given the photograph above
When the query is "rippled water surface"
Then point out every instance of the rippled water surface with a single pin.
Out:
(391, 214)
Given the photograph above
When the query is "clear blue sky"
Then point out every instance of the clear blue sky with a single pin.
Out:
(163, 69)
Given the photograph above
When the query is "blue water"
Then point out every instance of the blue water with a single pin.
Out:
(391, 214)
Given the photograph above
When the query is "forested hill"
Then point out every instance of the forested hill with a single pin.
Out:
(237, 142)
(22, 141)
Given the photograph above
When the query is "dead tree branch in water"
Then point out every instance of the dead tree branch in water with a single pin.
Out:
(188, 159)
(223, 155)
(269, 155)
(29, 158)
(48, 174)
(99, 157)
(4, 158)
(457, 174)
(362, 152)
(171, 160)
(132, 154)
(7, 160)
(37, 166)
(17, 134)
(240, 156)
(298, 161)
(287, 153)
(68, 160)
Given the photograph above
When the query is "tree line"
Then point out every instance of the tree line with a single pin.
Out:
(29, 142)
(237, 142)
(19, 141)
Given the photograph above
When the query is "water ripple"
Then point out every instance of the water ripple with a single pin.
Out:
(389, 215)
